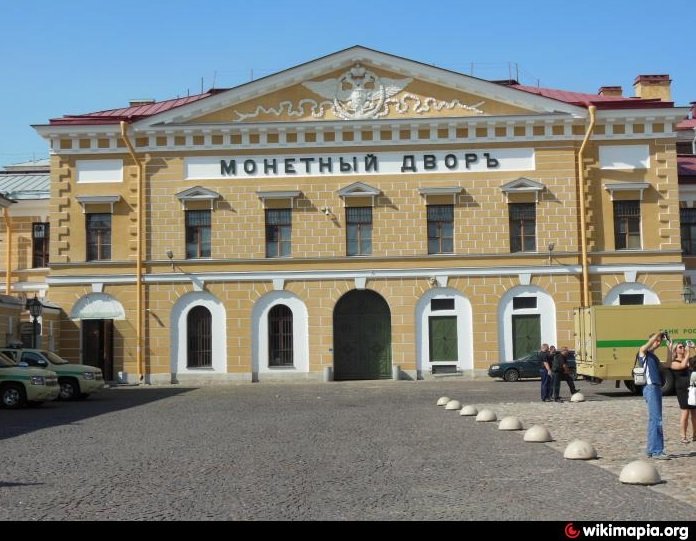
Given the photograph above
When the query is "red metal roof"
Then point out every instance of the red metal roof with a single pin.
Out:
(601, 102)
(686, 166)
(687, 124)
(136, 112)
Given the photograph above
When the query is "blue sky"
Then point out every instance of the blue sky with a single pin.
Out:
(77, 56)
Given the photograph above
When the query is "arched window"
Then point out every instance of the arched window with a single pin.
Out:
(199, 337)
(280, 336)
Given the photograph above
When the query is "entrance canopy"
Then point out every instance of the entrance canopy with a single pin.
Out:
(97, 306)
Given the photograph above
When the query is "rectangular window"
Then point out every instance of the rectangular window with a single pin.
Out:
(98, 237)
(441, 304)
(358, 230)
(630, 298)
(627, 225)
(278, 232)
(524, 303)
(39, 244)
(522, 227)
(687, 218)
(440, 229)
(197, 234)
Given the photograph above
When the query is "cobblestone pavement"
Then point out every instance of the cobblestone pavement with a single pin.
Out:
(375, 450)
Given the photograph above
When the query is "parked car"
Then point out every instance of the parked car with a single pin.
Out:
(525, 367)
(20, 384)
(75, 380)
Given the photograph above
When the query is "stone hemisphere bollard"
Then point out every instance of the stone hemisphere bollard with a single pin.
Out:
(486, 416)
(442, 401)
(580, 450)
(640, 472)
(577, 397)
(468, 410)
(453, 405)
(510, 423)
(537, 433)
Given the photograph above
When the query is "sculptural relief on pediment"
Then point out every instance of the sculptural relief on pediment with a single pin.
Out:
(357, 94)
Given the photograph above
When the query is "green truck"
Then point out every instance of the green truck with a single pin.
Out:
(75, 380)
(21, 384)
(607, 338)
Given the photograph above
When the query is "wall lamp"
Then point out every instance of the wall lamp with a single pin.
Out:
(170, 255)
(550, 248)
(327, 211)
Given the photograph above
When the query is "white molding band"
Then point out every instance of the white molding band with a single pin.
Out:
(423, 272)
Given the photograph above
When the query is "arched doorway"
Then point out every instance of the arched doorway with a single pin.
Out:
(199, 353)
(280, 349)
(362, 336)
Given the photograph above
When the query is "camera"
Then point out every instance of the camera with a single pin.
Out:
(689, 343)
(665, 336)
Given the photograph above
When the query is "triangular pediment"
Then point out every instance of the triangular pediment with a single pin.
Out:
(197, 193)
(360, 84)
(522, 184)
(359, 189)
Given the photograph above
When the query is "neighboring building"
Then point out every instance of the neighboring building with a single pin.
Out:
(359, 212)
(25, 188)
(686, 161)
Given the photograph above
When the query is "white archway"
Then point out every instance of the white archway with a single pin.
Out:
(300, 332)
(179, 332)
(545, 308)
(97, 306)
(631, 288)
(462, 311)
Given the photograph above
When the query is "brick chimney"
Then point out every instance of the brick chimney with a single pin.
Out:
(653, 86)
(610, 91)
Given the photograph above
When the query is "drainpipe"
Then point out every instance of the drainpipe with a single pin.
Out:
(8, 251)
(139, 257)
(583, 210)
(693, 143)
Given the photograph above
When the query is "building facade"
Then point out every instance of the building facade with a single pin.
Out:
(362, 214)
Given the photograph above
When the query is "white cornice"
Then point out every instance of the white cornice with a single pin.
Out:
(423, 272)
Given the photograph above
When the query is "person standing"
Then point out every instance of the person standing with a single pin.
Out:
(680, 359)
(652, 393)
(561, 372)
(545, 372)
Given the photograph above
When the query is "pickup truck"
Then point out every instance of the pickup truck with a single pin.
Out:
(75, 380)
(20, 384)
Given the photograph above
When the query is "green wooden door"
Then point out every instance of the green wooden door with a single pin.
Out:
(526, 334)
(443, 338)
(362, 337)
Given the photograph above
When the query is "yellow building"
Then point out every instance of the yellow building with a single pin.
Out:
(359, 214)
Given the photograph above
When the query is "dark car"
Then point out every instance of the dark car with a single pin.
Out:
(526, 367)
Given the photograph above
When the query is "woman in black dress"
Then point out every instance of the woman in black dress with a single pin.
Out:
(682, 364)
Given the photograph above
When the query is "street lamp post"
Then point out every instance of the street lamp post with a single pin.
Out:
(35, 308)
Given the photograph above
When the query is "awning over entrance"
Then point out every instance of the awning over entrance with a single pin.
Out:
(97, 306)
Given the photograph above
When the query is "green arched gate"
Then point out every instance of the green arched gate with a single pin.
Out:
(362, 336)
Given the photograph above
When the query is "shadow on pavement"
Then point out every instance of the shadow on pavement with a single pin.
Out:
(49, 414)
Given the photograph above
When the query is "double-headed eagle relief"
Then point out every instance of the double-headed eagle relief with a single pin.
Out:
(359, 93)
(356, 95)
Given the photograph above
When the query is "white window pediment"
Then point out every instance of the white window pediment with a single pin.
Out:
(359, 189)
(523, 185)
(86, 200)
(197, 193)
(614, 187)
(434, 191)
(290, 195)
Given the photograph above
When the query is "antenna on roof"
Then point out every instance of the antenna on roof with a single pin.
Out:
(201, 85)
(214, 77)
(252, 74)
